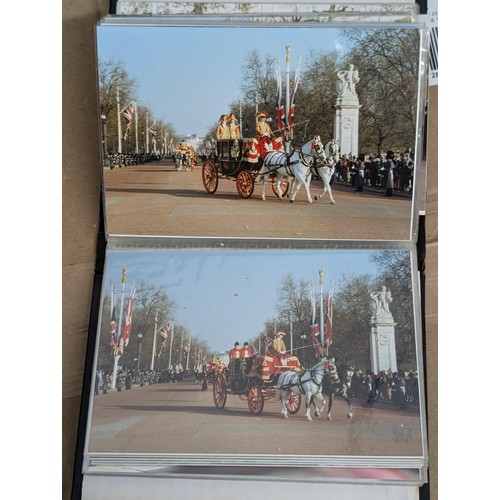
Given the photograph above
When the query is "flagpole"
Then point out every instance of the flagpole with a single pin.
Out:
(179, 361)
(187, 357)
(136, 128)
(118, 116)
(170, 353)
(147, 131)
(321, 321)
(152, 367)
(118, 355)
(291, 331)
(241, 117)
(287, 97)
(256, 106)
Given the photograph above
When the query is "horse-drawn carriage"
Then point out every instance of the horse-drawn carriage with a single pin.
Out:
(209, 371)
(241, 160)
(254, 385)
(236, 159)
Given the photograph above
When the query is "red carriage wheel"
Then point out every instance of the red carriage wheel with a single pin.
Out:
(283, 184)
(220, 392)
(244, 184)
(293, 403)
(255, 400)
(209, 176)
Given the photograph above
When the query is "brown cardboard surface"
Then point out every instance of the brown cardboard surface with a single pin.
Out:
(80, 199)
(81, 181)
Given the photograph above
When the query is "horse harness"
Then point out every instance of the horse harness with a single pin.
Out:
(301, 382)
(302, 159)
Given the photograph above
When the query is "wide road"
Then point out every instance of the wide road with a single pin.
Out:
(180, 418)
(155, 199)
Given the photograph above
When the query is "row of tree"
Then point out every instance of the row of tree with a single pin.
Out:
(153, 308)
(117, 90)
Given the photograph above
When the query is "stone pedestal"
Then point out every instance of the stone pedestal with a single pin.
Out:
(346, 126)
(383, 343)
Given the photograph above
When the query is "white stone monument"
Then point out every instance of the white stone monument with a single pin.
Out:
(346, 126)
(382, 341)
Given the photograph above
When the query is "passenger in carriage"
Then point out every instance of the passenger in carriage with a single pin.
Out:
(223, 131)
(234, 128)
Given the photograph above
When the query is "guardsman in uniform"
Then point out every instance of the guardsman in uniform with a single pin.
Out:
(247, 351)
(235, 352)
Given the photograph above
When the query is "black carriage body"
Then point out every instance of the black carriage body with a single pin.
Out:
(233, 157)
(236, 381)
(236, 159)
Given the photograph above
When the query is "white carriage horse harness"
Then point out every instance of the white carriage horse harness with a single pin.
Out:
(278, 159)
(302, 379)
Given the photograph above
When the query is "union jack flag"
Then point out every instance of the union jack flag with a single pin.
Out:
(112, 325)
(165, 331)
(127, 327)
(128, 114)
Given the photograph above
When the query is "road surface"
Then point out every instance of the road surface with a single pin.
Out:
(154, 199)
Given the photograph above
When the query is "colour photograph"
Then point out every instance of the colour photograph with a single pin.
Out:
(275, 356)
(224, 131)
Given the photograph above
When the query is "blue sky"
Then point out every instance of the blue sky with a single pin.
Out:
(189, 76)
(223, 296)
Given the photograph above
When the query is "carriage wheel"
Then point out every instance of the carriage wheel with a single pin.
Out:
(284, 184)
(293, 403)
(209, 176)
(255, 400)
(244, 184)
(220, 392)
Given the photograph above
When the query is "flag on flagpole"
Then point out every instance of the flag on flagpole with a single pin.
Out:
(294, 94)
(165, 331)
(280, 107)
(315, 332)
(153, 131)
(112, 325)
(329, 318)
(128, 114)
(127, 327)
(164, 334)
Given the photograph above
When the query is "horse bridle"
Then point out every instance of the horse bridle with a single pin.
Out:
(315, 146)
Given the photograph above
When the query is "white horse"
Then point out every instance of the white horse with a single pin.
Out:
(307, 383)
(297, 165)
(325, 169)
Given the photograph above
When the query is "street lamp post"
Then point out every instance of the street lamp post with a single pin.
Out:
(104, 140)
(139, 349)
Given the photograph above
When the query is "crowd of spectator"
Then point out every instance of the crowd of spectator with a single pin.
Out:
(126, 379)
(119, 160)
(375, 170)
(399, 388)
